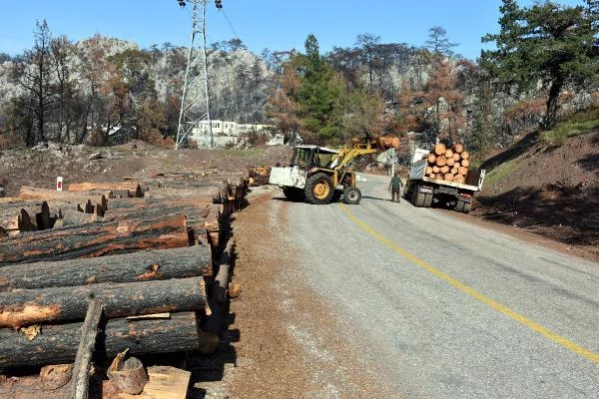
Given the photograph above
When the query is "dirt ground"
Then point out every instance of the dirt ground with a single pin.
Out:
(552, 192)
(41, 165)
(279, 325)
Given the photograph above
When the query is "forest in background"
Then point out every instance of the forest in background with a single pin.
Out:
(103, 90)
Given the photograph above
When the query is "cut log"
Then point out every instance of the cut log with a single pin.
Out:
(124, 185)
(459, 179)
(55, 376)
(35, 193)
(165, 382)
(58, 343)
(440, 150)
(458, 148)
(444, 169)
(436, 169)
(62, 304)
(138, 266)
(463, 170)
(450, 161)
(431, 158)
(465, 155)
(457, 157)
(128, 375)
(96, 239)
(215, 323)
(449, 153)
(448, 177)
(429, 170)
(465, 163)
(79, 385)
(441, 161)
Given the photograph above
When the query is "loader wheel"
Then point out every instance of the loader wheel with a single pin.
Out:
(319, 189)
(293, 194)
(352, 196)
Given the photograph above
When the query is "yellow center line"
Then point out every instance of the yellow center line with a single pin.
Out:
(545, 332)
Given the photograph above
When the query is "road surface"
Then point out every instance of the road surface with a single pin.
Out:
(439, 308)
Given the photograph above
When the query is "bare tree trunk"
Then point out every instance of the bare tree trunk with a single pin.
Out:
(552, 102)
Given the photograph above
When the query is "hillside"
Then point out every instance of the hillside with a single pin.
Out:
(551, 189)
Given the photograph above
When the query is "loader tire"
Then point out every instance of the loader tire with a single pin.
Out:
(319, 189)
(352, 196)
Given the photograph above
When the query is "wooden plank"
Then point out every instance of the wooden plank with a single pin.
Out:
(165, 383)
(79, 385)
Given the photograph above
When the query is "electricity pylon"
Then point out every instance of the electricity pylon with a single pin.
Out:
(195, 98)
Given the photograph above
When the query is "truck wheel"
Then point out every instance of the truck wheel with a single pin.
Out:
(428, 200)
(352, 196)
(293, 194)
(418, 198)
(459, 206)
(467, 207)
(319, 189)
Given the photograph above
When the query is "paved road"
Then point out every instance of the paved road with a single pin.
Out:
(449, 310)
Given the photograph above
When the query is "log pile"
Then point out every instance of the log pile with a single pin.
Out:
(154, 256)
(448, 164)
(259, 175)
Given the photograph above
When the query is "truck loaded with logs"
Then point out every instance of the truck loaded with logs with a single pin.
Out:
(444, 177)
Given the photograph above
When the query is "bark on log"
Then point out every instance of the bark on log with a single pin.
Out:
(58, 343)
(96, 239)
(35, 193)
(129, 376)
(79, 386)
(126, 268)
(218, 295)
(63, 304)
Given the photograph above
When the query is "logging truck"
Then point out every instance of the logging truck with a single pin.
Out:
(429, 184)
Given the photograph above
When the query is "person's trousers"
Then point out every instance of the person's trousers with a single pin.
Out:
(395, 195)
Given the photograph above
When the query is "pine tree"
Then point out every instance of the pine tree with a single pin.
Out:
(548, 43)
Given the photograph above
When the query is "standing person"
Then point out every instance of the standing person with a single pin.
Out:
(395, 187)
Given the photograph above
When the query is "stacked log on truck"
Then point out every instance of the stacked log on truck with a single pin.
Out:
(448, 164)
(150, 275)
(444, 177)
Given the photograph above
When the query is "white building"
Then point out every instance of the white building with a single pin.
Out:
(224, 132)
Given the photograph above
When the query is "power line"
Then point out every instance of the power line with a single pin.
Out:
(230, 24)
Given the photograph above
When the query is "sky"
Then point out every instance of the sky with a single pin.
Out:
(272, 24)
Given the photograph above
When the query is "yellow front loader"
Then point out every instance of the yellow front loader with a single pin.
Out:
(320, 175)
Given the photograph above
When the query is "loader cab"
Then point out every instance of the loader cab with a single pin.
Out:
(311, 156)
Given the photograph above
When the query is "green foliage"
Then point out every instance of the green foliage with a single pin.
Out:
(580, 123)
(548, 43)
(501, 171)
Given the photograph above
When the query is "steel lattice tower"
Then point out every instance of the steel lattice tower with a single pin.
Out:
(195, 98)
